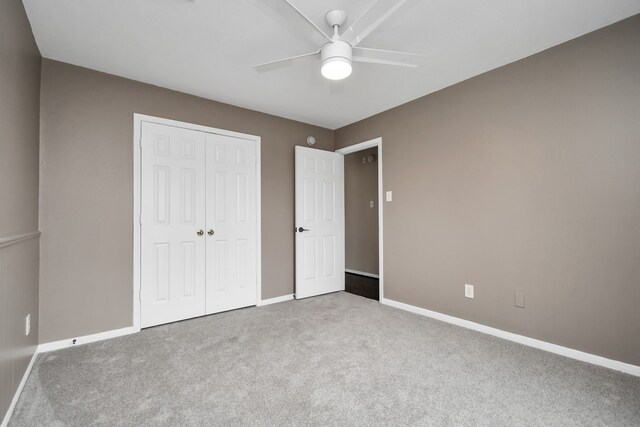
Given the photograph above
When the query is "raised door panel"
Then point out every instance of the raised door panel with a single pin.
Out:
(319, 208)
(232, 216)
(173, 210)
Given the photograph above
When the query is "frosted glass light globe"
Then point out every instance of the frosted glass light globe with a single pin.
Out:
(336, 68)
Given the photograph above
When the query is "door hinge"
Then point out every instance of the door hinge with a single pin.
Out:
(140, 219)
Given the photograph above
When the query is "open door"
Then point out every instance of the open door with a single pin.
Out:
(319, 222)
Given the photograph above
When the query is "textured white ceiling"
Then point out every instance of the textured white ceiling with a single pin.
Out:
(207, 47)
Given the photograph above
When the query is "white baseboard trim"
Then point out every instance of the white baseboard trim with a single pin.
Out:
(18, 392)
(57, 345)
(361, 273)
(520, 339)
(275, 300)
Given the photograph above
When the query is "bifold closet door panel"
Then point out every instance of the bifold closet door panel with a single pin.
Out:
(231, 223)
(173, 207)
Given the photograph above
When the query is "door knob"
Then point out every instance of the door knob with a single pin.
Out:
(300, 229)
(200, 232)
(210, 232)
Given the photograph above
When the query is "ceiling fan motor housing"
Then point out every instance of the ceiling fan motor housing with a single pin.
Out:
(336, 49)
(336, 60)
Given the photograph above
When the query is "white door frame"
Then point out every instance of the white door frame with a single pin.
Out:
(138, 119)
(376, 142)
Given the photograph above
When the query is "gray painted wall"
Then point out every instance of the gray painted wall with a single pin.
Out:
(86, 190)
(19, 130)
(361, 221)
(524, 179)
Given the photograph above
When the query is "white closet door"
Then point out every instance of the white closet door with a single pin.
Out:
(319, 222)
(173, 213)
(231, 223)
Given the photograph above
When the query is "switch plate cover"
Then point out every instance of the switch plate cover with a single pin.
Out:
(468, 291)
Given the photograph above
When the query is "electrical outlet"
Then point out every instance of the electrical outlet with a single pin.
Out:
(518, 300)
(468, 291)
(371, 204)
(27, 325)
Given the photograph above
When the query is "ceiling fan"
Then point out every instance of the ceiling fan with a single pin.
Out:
(341, 49)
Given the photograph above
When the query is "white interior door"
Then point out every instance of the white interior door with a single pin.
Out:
(231, 223)
(172, 215)
(319, 216)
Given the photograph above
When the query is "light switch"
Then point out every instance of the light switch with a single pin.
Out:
(469, 291)
(389, 196)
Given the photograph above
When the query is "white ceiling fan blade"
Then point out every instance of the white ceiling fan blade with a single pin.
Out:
(369, 20)
(268, 66)
(388, 57)
(309, 21)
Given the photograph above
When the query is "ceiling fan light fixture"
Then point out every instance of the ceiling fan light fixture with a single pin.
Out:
(336, 60)
(336, 68)
(337, 53)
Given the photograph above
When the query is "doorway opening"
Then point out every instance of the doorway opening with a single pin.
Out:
(363, 218)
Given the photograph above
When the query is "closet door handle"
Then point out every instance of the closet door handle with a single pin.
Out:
(210, 232)
(200, 232)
